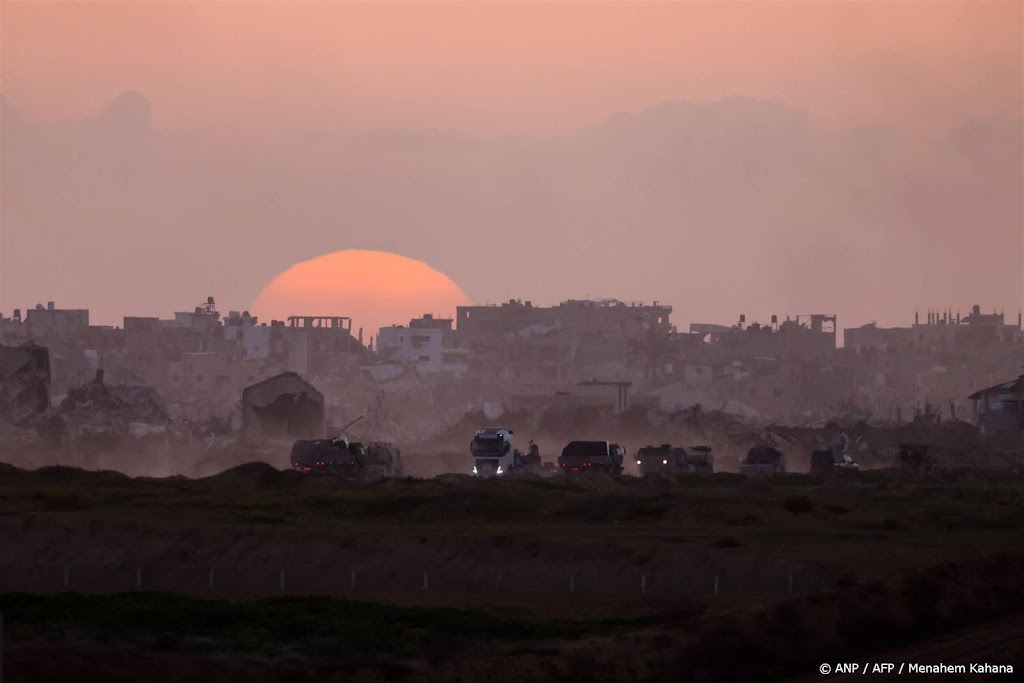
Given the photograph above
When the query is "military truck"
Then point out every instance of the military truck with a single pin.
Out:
(328, 456)
(669, 459)
(591, 456)
(663, 459)
(763, 460)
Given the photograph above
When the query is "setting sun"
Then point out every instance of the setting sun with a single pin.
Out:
(374, 288)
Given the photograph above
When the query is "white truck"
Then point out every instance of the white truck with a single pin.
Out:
(494, 452)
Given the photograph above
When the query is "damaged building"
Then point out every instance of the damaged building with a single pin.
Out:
(98, 418)
(1000, 408)
(283, 407)
(24, 381)
(532, 347)
(429, 343)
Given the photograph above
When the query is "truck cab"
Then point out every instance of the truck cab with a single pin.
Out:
(493, 452)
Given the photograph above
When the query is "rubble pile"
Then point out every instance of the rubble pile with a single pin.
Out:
(97, 418)
(127, 404)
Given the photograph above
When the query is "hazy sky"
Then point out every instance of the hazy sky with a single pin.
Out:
(862, 158)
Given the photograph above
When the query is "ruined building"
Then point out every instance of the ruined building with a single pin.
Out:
(24, 381)
(284, 407)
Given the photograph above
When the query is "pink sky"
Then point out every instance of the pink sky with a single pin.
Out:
(512, 67)
(880, 173)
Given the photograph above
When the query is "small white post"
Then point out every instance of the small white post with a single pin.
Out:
(352, 581)
(643, 584)
(282, 579)
(138, 578)
(211, 577)
(716, 584)
(67, 575)
(426, 581)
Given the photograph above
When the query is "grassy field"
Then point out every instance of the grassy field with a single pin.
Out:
(172, 638)
(841, 523)
(876, 534)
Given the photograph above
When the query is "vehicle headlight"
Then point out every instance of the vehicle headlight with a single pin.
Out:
(664, 462)
(474, 469)
(499, 469)
(638, 462)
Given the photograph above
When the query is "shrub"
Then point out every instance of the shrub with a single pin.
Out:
(798, 504)
(726, 542)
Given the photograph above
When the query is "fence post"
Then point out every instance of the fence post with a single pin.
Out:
(790, 583)
(352, 581)
(211, 577)
(426, 581)
(67, 575)
(138, 578)
(643, 584)
(716, 584)
(282, 579)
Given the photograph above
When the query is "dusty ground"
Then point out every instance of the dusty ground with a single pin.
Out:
(630, 564)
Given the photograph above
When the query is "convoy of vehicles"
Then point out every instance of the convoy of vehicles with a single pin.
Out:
(494, 454)
(668, 459)
(592, 456)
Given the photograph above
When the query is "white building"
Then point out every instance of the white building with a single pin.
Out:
(425, 344)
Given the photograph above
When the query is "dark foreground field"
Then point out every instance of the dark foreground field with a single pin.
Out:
(453, 579)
